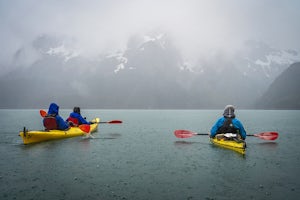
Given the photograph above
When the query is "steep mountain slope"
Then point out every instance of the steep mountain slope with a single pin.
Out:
(284, 92)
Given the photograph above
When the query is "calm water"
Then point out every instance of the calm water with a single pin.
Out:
(142, 159)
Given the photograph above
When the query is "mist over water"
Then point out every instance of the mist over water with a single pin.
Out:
(142, 159)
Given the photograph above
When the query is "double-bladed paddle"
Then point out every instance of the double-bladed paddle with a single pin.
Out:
(43, 113)
(85, 127)
(263, 135)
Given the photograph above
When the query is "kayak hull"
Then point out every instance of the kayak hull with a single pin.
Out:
(239, 147)
(30, 137)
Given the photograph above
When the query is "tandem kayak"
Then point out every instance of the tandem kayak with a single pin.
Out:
(30, 137)
(238, 146)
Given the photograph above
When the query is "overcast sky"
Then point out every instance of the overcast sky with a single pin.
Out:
(196, 25)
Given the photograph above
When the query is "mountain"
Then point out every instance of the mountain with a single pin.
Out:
(284, 92)
(150, 72)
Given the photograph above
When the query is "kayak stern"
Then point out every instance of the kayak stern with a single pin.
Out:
(239, 146)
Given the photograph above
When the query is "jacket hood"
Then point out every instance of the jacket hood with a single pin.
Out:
(53, 109)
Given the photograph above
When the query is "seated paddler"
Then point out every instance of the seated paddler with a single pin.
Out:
(52, 121)
(229, 125)
(75, 118)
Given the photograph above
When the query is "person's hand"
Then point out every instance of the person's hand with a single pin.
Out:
(71, 123)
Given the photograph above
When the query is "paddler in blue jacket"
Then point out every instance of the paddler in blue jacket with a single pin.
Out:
(75, 118)
(53, 120)
(228, 124)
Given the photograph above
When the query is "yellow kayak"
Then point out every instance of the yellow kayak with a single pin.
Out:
(40, 136)
(239, 146)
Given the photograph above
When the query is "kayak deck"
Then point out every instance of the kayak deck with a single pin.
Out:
(239, 147)
(30, 137)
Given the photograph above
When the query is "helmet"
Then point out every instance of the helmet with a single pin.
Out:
(76, 110)
(229, 111)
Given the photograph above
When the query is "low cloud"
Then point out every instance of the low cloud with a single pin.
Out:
(196, 26)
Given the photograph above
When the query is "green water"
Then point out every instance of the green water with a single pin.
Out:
(142, 159)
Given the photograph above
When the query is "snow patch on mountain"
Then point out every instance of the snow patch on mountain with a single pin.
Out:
(257, 59)
(148, 38)
(120, 66)
(159, 39)
(121, 59)
(187, 66)
(66, 53)
(279, 57)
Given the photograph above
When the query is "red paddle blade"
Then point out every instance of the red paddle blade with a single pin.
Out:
(43, 113)
(85, 128)
(267, 135)
(184, 133)
(115, 122)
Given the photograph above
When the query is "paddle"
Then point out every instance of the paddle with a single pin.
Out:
(43, 113)
(86, 129)
(111, 122)
(263, 135)
(266, 135)
(186, 133)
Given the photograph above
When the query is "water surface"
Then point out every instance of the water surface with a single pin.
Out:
(142, 159)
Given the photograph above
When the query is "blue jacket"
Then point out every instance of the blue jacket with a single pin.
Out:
(53, 110)
(80, 119)
(236, 123)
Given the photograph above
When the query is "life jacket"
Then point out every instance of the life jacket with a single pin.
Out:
(50, 123)
(75, 121)
(227, 127)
